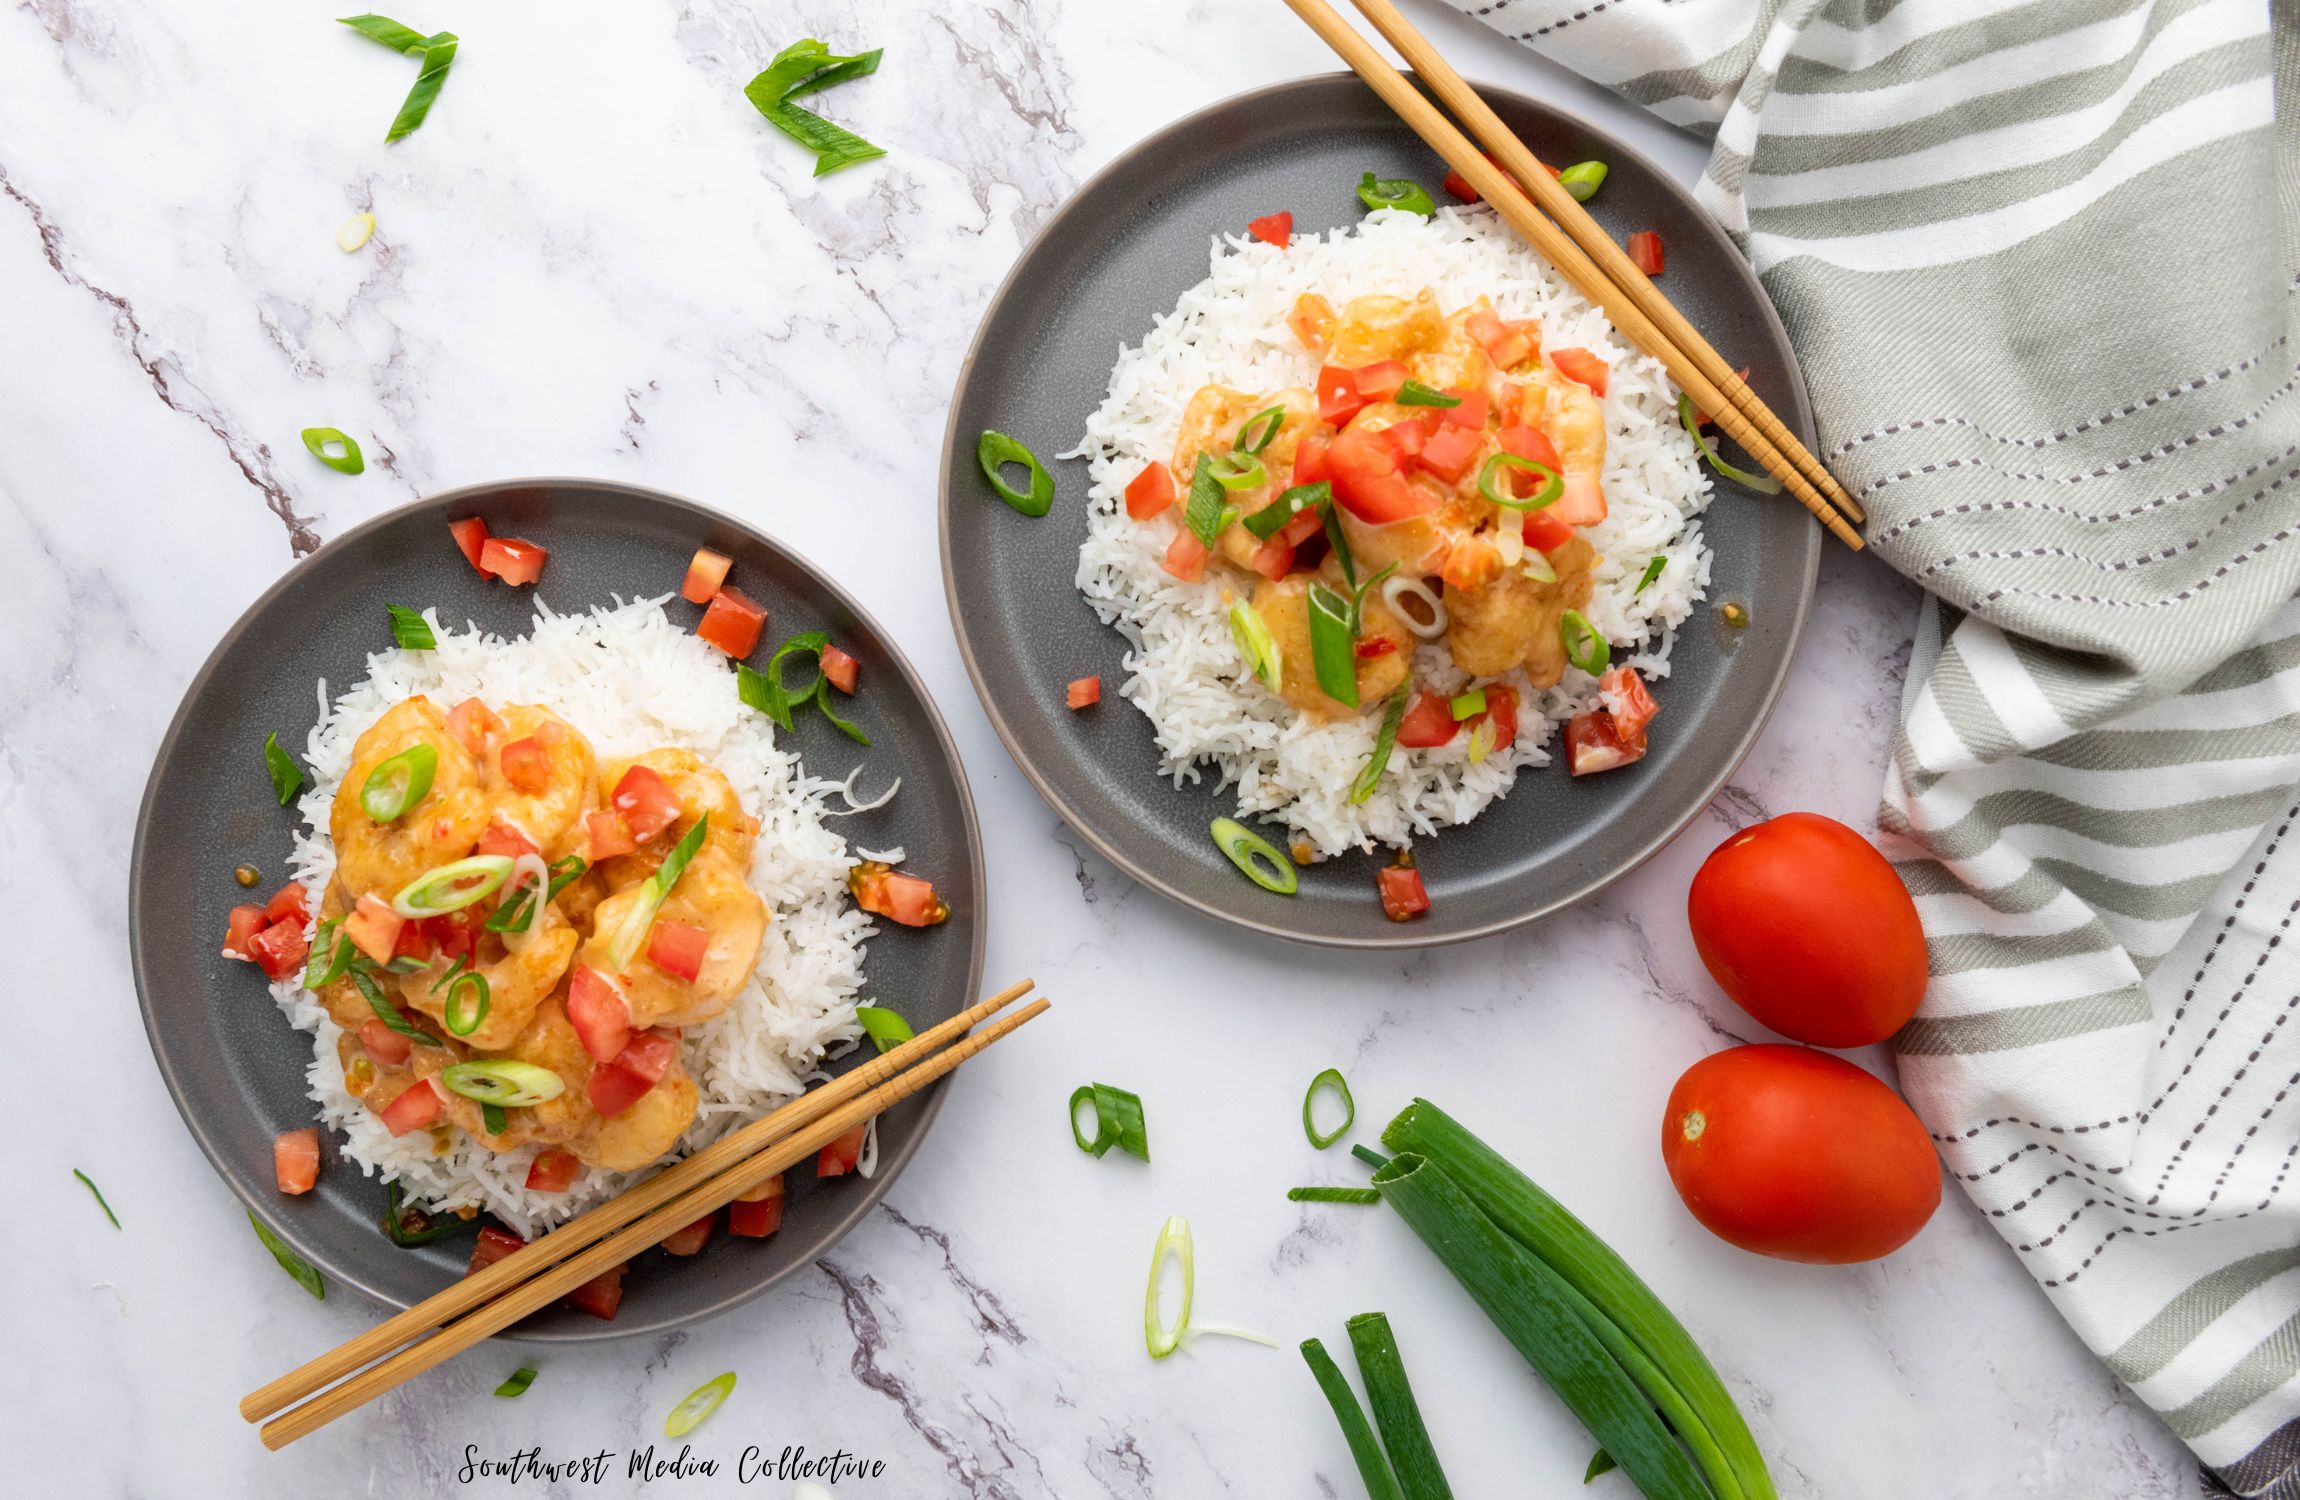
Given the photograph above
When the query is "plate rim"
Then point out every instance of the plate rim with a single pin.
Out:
(1799, 421)
(932, 1097)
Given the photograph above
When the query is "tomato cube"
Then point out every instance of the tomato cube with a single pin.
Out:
(527, 765)
(552, 1171)
(706, 571)
(493, 1244)
(373, 928)
(1186, 556)
(473, 724)
(839, 1157)
(1403, 896)
(514, 561)
(897, 897)
(1084, 693)
(295, 1159)
(601, 1295)
(1583, 366)
(840, 670)
(288, 901)
(1544, 532)
(385, 1045)
(756, 1218)
(1624, 695)
(1458, 186)
(606, 836)
(1381, 380)
(645, 802)
(471, 535)
(1475, 407)
(502, 838)
(417, 1107)
(1592, 744)
(1312, 320)
(1309, 460)
(1150, 491)
(1274, 559)
(1645, 252)
(617, 1085)
(240, 929)
(677, 948)
(1501, 712)
(599, 1013)
(694, 1237)
(1273, 229)
(1338, 397)
(1450, 453)
(1428, 722)
(732, 623)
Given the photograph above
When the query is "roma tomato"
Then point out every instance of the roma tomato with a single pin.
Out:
(1803, 923)
(1796, 1154)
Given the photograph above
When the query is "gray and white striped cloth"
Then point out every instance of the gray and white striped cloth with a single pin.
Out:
(2038, 260)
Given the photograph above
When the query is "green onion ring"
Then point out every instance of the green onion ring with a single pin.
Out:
(1385, 740)
(1583, 179)
(452, 887)
(994, 451)
(1481, 740)
(767, 692)
(1274, 416)
(399, 783)
(1396, 192)
(1333, 644)
(388, 1013)
(1545, 496)
(348, 461)
(1330, 1077)
(1763, 484)
(330, 955)
(698, 1405)
(1174, 1240)
(1238, 470)
(1333, 1195)
(1117, 1121)
(1584, 647)
(1414, 393)
(1205, 513)
(512, 914)
(886, 1029)
(464, 1015)
(504, 1081)
(520, 1380)
(1467, 705)
(1257, 645)
(1248, 850)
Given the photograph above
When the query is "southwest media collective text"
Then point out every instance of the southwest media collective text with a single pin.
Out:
(754, 1466)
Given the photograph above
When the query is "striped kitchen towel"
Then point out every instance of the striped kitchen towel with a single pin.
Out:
(2038, 260)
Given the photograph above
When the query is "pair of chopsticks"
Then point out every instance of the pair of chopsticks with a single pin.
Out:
(1562, 230)
(441, 1327)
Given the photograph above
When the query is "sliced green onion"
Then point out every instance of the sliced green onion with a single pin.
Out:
(1333, 645)
(1652, 571)
(410, 629)
(461, 963)
(1600, 1462)
(1538, 566)
(1238, 471)
(517, 1385)
(1174, 1240)
(1331, 1078)
(399, 783)
(468, 999)
(1203, 514)
(512, 914)
(767, 692)
(354, 232)
(1468, 705)
(886, 1029)
(1370, 1156)
(1270, 519)
(406, 963)
(994, 451)
(290, 1262)
(1256, 644)
(1385, 740)
(388, 1013)
(330, 955)
(842, 725)
(90, 1184)
(1333, 1195)
(700, 1402)
(492, 1119)
(438, 57)
(387, 31)
(345, 460)
(803, 68)
(1584, 647)
(624, 946)
(1481, 741)
(1763, 484)
(506, 1082)
(1583, 179)
(1396, 1414)
(1365, 1449)
(1414, 393)
(286, 775)
(407, 1226)
(1261, 860)
(1251, 442)
(1551, 488)
(452, 887)
(1117, 1121)
(1395, 192)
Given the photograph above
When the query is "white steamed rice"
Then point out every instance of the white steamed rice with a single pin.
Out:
(1187, 674)
(630, 681)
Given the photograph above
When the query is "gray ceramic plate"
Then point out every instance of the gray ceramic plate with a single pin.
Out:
(1119, 253)
(234, 1065)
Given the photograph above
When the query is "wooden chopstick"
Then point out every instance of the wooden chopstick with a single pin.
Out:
(1499, 189)
(608, 1217)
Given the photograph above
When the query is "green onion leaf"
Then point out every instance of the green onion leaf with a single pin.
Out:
(517, 1385)
(1414, 393)
(1270, 419)
(452, 887)
(397, 784)
(1205, 510)
(387, 31)
(767, 692)
(345, 459)
(388, 1013)
(1333, 645)
(1652, 571)
(808, 67)
(1333, 1195)
(1538, 567)
(1117, 1121)
(1256, 644)
(1370, 1156)
(993, 451)
(1238, 470)
(511, 916)
(842, 725)
(1270, 519)
(410, 629)
(1373, 1468)
(1385, 740)
(90, 1184)
(1339, 541)
(1584, 647)
(1467, 705)
(1396, 192)
(287, 776)
(330, 955)
(700, 1402)
(290, 1262)
(438, 54)
(1583, 179)
(468, 998)
(1261, 860)
(1396, 1414)
(1763, 484)
(624, 946)
(886, 1029)
(504, 1082)
(1331, 1078)
(407, 1226)
(1488, 476)
(1600, 1462)
(492, 1119)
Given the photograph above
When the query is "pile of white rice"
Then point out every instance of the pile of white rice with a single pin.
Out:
(1187, 673)
(629, 680)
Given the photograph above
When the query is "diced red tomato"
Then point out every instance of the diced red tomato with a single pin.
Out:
(527, 765)
(694, 1237)
(417, 1107)
(601, 1295)
(1372, 646)
(1592, 745)
(289, 900)
(471, 535)
(1544, 532)
(1363, 467)
(383, 1044)
(1470, 564)
(1429, 721)
(1273, 229)
(1338, 396)
(502, 838)
(1403, 896)
(618, 1085)
(494, 1244)
(1186, 556)
(473, 723)
(1533, 443)
(645, 802)
(839, 1157)
(733, 622)
(454, 933)
(677, 948)
(512, 560)
(759, 1212)
(414, 942)
(1475, 407)
(1645, 252)
(706, 572)
(599, 1013)
(614, 1089)
(1084, 693)
(1451, 451)
(907, 899)
(1459, 187)
(1274, 558)
(1506, 344)
(240, 929)
(606, 836)
(1501, 709)
(373, 927)
(1583, 366)
(552, 1171)
(840, 670)
(1301, 528)
(1583, 503)
(1310, 459)
(295, 1159)
(1312, 320)
(1150, 491)
(1408, 437)
(1628, 702)
(1380, 380)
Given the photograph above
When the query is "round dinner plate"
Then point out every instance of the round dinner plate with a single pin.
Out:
(1120, 253)
(232, 1062)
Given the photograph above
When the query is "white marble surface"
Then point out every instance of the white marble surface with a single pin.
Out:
(596, 259)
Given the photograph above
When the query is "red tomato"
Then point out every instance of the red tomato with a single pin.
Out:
(295, 1159)
(454, 933)
(1581, 365)
(1583, 503)
(1372, 646)
(473, 723)
(732, 623)
(677, 948)
(1796, 1154)
(1310, 460)
(471, 535)
(1475, 407)
(383, 1044)
(839, 1157)
(1381, 380)
(1544, 532)
(1645, 252)
(240, 929)
(840, 670)
(1406, 438)
(1501, 708)
(694, 1237)
(1084, 693)
(1273, 229)
(1363, 467)
(1338, 398)
(552, 1171)
(1626, 699)
(1450, 453)
(618, 1085)
(512, 560)
(416, 1108)
(1301, 528)
(759, 1212)
(1274, 559)
(601, 1295)
(1470, 565)
(1429, 721)
(1592, 745)
(527, 765)
(1150, 491)
(1459, 187)
(493, 1244)
(598, 1012)
(502, 838)
(1806, 926)
(373, 928)
(605, 836)
(1506, 344)
(1533, 443)
(1186, 556)
(414, 942)
(898, 897)
(288, 901)
(645, 802)
(706, 573)
(1403, 896)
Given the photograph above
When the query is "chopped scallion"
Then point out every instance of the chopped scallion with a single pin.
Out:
(1117, 1118)
(345, 457)
(843, 725)
(1467, 705)
(354, 232)
(1583, 179)
(399, 783)
(624, 946)
(808, 67)
(1414, 393)
(290, 1262)
(886, 1029)
(767, 692)
(1763, 484)
(993, 451)
(1538, 567)
(90, 1184)
(386, 1012)
(517, 1385)
(1488, 484)
(700, 1402)
(1333, 1195)
(504, 1082)
(1385, 740)
(492, 1119)
(1272, 518)
(1396, 192)
(1652, 571)
(468, 999)
(1238, 470)
(1257, 645)
(1269, 419)
(1333, 645)
(1584, 647)
(410, 629)
(1262, 861)
(407, 1226)
(286, 775)
(1331, 1078)
(1205, 511)
(454, 886)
